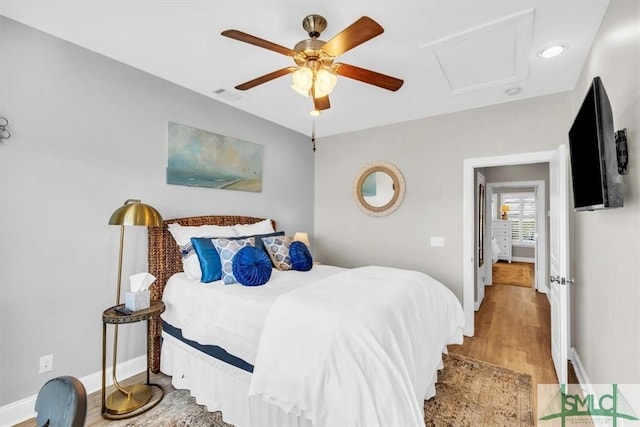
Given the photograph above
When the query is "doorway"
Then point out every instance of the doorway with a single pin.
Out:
(531, 242)
(469, 226)
(558, 243)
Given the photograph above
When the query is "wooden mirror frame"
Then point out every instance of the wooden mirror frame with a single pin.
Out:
(398, 187)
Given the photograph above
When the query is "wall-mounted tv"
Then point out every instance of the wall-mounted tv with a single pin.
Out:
(594, 162)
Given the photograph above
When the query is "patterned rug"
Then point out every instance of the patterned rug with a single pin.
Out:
(514, 273)
(468, 393)
(474, 393)
(177, 409)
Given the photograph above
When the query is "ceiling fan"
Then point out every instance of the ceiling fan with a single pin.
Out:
(315, 73)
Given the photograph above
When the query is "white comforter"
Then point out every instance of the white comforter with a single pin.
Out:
(359, 348)
(230, 316)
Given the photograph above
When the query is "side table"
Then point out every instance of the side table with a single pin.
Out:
(127, 401)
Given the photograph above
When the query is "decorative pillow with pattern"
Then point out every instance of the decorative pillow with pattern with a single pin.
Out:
(278, 249)
(227, 249)
(259, 243)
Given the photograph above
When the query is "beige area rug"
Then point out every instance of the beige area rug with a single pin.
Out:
(514, 273)
(468, 393)
(474, 393)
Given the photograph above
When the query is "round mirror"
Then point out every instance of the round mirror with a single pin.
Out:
(379, 189)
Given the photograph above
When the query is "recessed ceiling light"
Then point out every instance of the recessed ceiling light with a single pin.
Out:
(552, 51)
(314, 113)
(513, 91)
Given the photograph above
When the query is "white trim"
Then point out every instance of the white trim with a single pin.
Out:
(581, 372)
(22, 410)
(523, 259)
(468, 226)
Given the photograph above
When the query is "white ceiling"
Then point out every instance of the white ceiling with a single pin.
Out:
(452, 54)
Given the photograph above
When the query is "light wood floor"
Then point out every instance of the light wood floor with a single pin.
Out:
(512, 330)
(94, 404)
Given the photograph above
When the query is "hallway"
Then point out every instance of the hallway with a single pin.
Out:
(513, 330)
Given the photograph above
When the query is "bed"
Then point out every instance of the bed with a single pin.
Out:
(324, 347)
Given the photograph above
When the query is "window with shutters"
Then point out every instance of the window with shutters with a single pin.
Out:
(522, 214)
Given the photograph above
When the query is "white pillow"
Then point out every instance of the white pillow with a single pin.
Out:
(262, 227)
(182, 234)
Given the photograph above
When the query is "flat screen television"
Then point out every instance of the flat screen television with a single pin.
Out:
(592, 145)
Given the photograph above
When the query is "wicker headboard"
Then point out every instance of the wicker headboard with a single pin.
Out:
(165, 260)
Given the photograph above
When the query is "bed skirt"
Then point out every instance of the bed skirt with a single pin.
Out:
(220, 387)
(223, 387)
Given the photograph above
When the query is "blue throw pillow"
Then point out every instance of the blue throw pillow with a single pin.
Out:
(227, 249)
(251, 266)
(209, 259)
(300, 256)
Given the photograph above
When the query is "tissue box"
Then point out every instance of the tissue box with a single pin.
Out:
(135, 301)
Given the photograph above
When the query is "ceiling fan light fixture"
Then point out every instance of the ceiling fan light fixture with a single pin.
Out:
(325, 82)
(302, 80)
(299, 91)
(315, 74)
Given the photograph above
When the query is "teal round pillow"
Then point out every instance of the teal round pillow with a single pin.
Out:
(300, 256)
(251, 266)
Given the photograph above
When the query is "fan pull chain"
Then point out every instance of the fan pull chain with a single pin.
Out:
(4, 133)
(313, 134)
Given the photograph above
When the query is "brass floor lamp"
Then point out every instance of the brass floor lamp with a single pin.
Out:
(129, 398)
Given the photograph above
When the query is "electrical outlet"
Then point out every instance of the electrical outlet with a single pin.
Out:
(437, 241)
(46, 363)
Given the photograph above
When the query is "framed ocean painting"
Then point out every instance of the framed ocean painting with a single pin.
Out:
(198, 158)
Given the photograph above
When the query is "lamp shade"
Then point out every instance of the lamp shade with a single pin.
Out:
(134, 212)
(504, 208)
(302, 80)
(302, 237)
(325, 81)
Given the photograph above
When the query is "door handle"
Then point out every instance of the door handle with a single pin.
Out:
(561, 280)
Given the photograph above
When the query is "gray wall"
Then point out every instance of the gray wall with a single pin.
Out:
(606, 244)
(89, 133)
(429, 153)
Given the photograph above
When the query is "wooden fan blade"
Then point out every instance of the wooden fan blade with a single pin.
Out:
(355, 34)
(257, 41)
(368, 76)
(321, 103)
(267, 77)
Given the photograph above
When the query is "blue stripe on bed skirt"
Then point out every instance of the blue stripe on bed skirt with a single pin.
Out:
(212, 350)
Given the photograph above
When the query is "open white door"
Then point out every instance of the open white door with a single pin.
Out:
(559, 261)
(484, 250)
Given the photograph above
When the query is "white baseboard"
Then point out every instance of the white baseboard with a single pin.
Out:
(581, 372)
(523, 259)
(22, 410)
